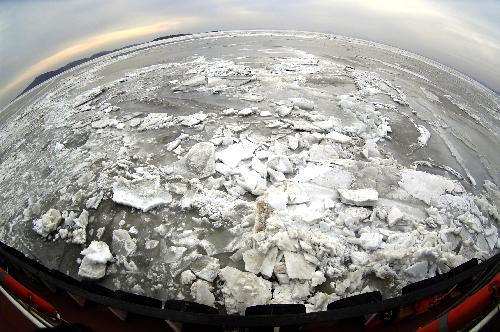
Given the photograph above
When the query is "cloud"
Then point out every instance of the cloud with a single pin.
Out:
(92, 43)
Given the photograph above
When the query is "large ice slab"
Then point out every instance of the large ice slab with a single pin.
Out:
(243, 289)
(424, 186)
(144, 194)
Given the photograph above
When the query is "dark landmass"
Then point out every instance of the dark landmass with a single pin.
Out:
(171, 36)
(48, 75)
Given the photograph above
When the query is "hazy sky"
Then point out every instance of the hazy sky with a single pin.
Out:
(41, 35)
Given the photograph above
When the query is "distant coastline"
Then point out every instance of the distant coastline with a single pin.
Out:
(48, 75)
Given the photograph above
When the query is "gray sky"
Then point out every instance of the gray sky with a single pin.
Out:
(41, 35)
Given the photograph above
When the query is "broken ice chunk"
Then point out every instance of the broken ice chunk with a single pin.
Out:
(293, 142)
(370, 149)
(334, 178)
(48, 223)
(171, 254)
(206, 268)
(93, 202)
(233, 154)
(123, 245)
(296, 195)
(359, 197)
(199, 161)
(93, 265)
(193, 119)
(143, 194)
(246, 111)
(303, 103)
(243, 289)
(283, 241)
(317, 279)
(260, 262)
(91, 270)
(276, 198)
(318, 302)
(187, 277)
(229, 111)
(151, 244)
(252, 182)
(275, 176)
(80, 232)
(103, 123)
(283, 110)
(424, 186)
(310, 172)
(424, 137)
(418, 270)
(319, 152)
(253, 259)
(297, 267)
(259, 167)
(201, 291)
(281, 164)
(269, 262)
(371, 240)
(173, 145)
(337, 137)
(394, 215)
(359, 258)
(98, 252)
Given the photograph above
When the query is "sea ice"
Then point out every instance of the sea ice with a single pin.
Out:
(48, 223)
(394, 215)
(424, 137)
(201, 291)
(371, 240)
(93, 265)
(233, 154)
(206, 268)
(187, 277)
(359, 197)
(424, 186)
(142, 194)
(303, 103)
(123, 245)
(417, 271)
(322, 152)
(297, 267)
(338, 137)
(243, 289)
(199, 161)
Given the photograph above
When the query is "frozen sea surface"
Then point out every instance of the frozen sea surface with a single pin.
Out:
(245, 168)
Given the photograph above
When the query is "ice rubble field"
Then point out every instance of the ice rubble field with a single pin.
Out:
(244, 168)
